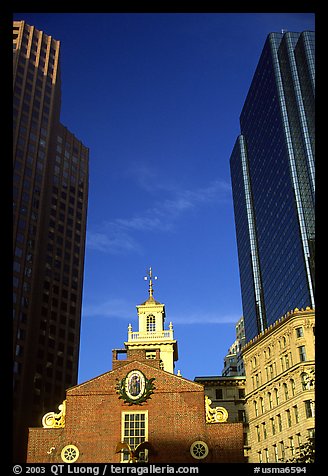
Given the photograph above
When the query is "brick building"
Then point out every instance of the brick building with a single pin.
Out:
(138, 401)
(228, 392)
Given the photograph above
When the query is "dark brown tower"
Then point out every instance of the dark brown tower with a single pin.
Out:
(50, 195)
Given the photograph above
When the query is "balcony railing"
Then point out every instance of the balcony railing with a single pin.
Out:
(157, 335)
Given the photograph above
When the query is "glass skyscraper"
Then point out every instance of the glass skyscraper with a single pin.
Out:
(50, 197)
(273, 182)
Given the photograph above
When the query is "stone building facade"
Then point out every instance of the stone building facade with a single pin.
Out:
(280, 377)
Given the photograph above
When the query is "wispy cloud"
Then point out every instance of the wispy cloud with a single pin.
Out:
(144, 175)
(116, 236)
(119, 308)
(207, 317)
(112, 240)
(112, 308)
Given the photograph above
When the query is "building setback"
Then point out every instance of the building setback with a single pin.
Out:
(272, 172)
(233, 361)
(50, 194)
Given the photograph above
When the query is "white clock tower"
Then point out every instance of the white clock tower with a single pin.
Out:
(152, 335)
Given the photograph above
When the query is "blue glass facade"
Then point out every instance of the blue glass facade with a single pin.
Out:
(272, 172)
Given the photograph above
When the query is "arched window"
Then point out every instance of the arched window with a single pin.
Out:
(276, 392)
(292, 384)
(150, 323)
(262, 405)
(305, 381)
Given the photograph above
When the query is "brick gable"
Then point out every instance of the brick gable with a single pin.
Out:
(176, 419)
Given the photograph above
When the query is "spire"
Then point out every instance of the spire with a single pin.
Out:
(152, 335)
(150, 289)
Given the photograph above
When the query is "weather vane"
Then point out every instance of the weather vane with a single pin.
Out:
(151, 277)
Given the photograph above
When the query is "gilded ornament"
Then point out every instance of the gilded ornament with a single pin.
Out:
(214, 415)
(135, 455)
(55, 420)
(70, 453)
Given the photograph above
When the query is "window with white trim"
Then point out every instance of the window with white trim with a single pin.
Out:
(134, 432)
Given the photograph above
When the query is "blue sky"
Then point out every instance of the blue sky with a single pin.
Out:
(157, 98)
